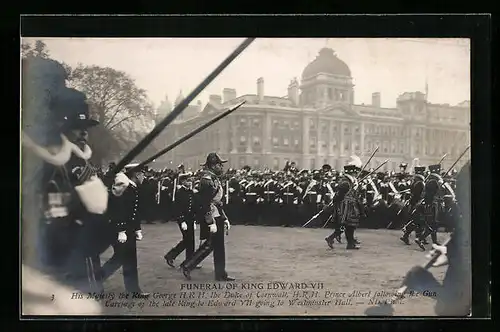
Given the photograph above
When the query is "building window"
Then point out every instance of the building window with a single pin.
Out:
(296, 142)
(311, 123)
(243, 121)
(346, 147)
(401, 148)
(243, 139)
(330, 93)
(357, 148)
(285, 141)
(256, 122)
(377, 129)
(393, 147)
(256, 140)
(324, 144)
(275, 123)
(286, 123)
(275, 141)
(312, 143)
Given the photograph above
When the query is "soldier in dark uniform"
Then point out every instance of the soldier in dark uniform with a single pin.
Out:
(55, 121)
(123, 217)
(424, 215)
(89, 237)
(211, 195)
(416, 191)
(269, 206)
(348, 209)
(185, 217)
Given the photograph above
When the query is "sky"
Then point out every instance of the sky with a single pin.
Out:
(166, 66)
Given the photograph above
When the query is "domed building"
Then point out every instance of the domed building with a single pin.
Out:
(318, 123)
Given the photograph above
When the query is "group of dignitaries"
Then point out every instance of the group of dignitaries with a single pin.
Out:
(72, 213)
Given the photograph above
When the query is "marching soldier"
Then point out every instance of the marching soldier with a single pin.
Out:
(425, 213)
(211, 195)
(123, 218)
(185, 217)
(416, 190)
(349, 209)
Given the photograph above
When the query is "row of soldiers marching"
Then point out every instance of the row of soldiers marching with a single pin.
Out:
(287, 197)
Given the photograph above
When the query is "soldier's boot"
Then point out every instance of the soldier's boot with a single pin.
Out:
(434, 238)
(329, 241)
(351, 242)
(405, 239)
(169, 260)
(188, 265)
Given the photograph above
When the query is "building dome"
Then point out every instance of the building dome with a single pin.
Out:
(326, 62)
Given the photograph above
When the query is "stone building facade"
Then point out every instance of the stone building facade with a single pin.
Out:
(318, 123)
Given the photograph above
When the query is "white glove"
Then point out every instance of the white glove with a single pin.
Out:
(231, 190)
(213, 228)
(442, 259)
(184, 226)
(138, 235)
(122, 237)
(227, 225)
(194, 226)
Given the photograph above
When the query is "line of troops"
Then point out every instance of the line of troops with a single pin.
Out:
(290, 197)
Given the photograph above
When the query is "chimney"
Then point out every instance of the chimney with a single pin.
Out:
(376, 99)
(260, 88)
(216, 99)
(293, 91)
(228, 94)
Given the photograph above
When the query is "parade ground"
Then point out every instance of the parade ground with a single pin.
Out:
(278, 271)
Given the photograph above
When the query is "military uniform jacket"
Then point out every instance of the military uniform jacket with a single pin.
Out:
(210, 196)
(184, 205)
(426, 211)
(123, 210)
(269, 191)
(350, 208)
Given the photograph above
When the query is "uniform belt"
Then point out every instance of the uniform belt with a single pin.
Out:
(268, 192)
(312, 193)
(251, 194)
(288, 194)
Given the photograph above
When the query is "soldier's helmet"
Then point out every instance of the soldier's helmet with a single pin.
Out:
(326, 168)
(213, 159)
(435, 168)
(72, 109)
(419, 170)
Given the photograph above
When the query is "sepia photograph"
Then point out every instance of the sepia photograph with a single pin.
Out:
(246, 177)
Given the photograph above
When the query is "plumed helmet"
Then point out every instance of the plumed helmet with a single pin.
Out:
(355, 161)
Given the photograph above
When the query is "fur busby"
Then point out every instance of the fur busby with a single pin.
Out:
(42, 79)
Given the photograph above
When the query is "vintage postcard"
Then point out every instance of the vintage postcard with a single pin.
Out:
(257, 177)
